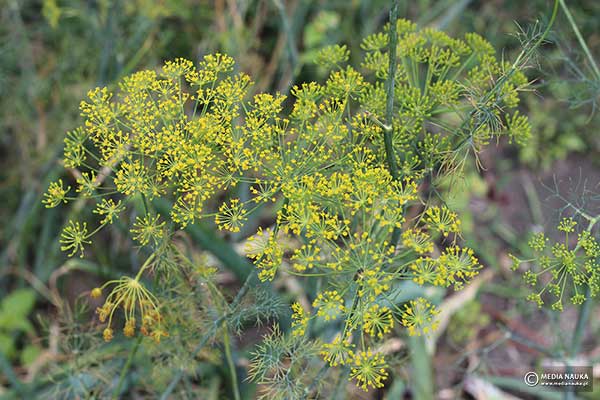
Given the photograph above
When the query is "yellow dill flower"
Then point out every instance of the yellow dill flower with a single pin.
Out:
(424, 270)
(305, 257)
(177, 68)
(338, 352)
(73, 237)
(131, 178)
(130, 295)
(129, 328)
(266, 251)
(148, 229)
(419, 317)
(87, 184)
(369, 370)
(55, 194)
(96, 293)
(538, 242)
(329, 304)
(231, 217)
(374, 282)
(567, 225)
(299, 320)
(442, 220)
(270, 261)
(107, 334)
(109, 210)
(377, 321)
(417, 240)
(74, 151)
(185, 211)
(134, 299)
(457, 266)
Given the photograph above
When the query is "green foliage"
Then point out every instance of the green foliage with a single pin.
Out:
(14, 312)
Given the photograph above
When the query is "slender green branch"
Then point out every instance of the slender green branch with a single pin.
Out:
(145, 201)
(582, 43)
(582, 320)
(126, 367)
(230, 364)
(250, 280)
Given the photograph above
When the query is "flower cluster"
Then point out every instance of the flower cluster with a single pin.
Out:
(139, 306)
(190, 134)
(564, 268)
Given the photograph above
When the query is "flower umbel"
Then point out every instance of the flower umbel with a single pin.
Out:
(419, 317)
(369, 370)
(74, 237)
(137, 304)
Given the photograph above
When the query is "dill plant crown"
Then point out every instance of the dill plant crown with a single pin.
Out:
(319, 160)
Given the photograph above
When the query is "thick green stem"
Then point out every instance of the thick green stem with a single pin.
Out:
(388, 130)
(389, 86)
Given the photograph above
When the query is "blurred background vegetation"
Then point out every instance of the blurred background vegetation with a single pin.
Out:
(53, 51)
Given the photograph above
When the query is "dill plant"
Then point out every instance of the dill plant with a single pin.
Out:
(342, 169)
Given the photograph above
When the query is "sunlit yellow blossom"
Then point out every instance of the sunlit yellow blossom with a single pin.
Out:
(378, 320)
(329, 305)
(73, 237)
(419, 317)
(56, 194)
(299, 320)
(109, 210)
(442, 220)
(231, 217)
(369, 370)
(148, 229)
(456, 266)
(417, 240)
(338, 352)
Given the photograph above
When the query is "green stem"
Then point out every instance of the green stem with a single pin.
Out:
(316, 381)
(250, 280)
(388, 130)
(582, 319)
(126, 367)
(145, 201)
(231, 364)
(389, 84)
(582, 43)
(225, 309)
(144, 266)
